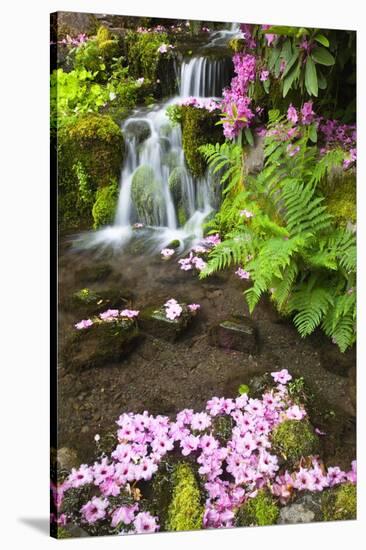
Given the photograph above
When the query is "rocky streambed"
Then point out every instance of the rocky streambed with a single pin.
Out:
(164, 369)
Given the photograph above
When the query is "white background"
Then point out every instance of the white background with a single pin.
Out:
(24, 268)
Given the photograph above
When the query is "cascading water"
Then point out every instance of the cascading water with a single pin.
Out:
(156, 188)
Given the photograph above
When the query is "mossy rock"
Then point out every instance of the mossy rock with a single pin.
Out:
(237, 44)
(340, 503)
(147, 195)
(91, 145)
(175, 183)
(100, 344)
(153, 321)
(198, 128)
(185, 511)
(86, 302)
(171, 159)
(138, 129)
(260, 510)
(340, 197)
(104, 208)
(294, 439)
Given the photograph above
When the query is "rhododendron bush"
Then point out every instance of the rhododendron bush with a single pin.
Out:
(108, 496)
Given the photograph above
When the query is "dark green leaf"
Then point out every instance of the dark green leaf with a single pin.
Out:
(311, 79)
(322, 82)
(266, 84)
(289, 80)
(290, 63)
(322, 40)
(322, 56)
(249, 136)
(313, 134)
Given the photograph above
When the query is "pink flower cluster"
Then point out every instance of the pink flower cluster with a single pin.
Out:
(172, 309)
(108, 316)
(81, 38)
(201, 103)
(167, 252)
(236, 102)
(191, 261)
(164, 48)
(232, 472)
(307, 113)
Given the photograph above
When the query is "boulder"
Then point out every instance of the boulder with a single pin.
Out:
(99, 345)
(305, 509)
(237, 333)
(147, 196)
(153, 321)
(138, 129)
(87, 302)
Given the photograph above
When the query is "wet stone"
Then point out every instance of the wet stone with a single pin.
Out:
(153, 321)
(87, 302)
(305, 509)
(237, 333)
(138, 129)
(100, 345)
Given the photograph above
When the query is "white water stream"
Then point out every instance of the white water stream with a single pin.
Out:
(154, 159)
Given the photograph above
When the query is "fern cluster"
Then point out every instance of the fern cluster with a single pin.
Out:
(291, 246)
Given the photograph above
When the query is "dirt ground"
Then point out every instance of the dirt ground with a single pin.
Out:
(164, 377)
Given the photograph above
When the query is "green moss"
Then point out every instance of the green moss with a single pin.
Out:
(260, 510)
(198, 127)
(341, 198)
(142, 53)
(340, 503)
(185, 511)
(90, 151)
(62, 533)
(293, 439)
(175, 183)
(237, 44)
(105, 205)
(146, 195)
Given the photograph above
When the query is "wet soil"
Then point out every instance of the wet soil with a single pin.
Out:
(164, 377)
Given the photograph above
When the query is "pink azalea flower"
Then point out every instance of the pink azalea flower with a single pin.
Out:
(80, 477)
(213, 239)
(193, 307)
(304, 480)
(129, 313)
(199, 249)
(307, 113)
(292, 115)
(124, 514)
(264, 75)
(167, 252)
(282, 377)
(198, 263)
(109, 315)
(295, 413)
(85, 323)
(95, 509)
(189, 444)
(200, 421)
(242, 274)
(145, 523)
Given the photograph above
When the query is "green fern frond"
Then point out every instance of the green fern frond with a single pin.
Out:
(311, 304)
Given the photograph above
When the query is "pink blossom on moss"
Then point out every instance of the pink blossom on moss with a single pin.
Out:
(109, 315)
(85, 323)
(129, 313)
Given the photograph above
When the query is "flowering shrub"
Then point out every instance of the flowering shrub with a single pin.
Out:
(105, 495)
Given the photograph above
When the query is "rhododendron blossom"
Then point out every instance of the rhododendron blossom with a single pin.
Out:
(85, 323)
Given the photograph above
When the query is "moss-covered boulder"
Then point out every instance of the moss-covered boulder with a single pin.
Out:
(153, 321)
(340, 503)
(87, 302)
(90, 154)
(138, 129)
(147, 195)
(198, 127)
(185, 511)
(260, 510)
(340, 195)
(178, 191)
(104, 208)
(100, 345)
(294, 439)
(239, 333)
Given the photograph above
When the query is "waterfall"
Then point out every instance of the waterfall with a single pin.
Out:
(204, 76)
(157, 190)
